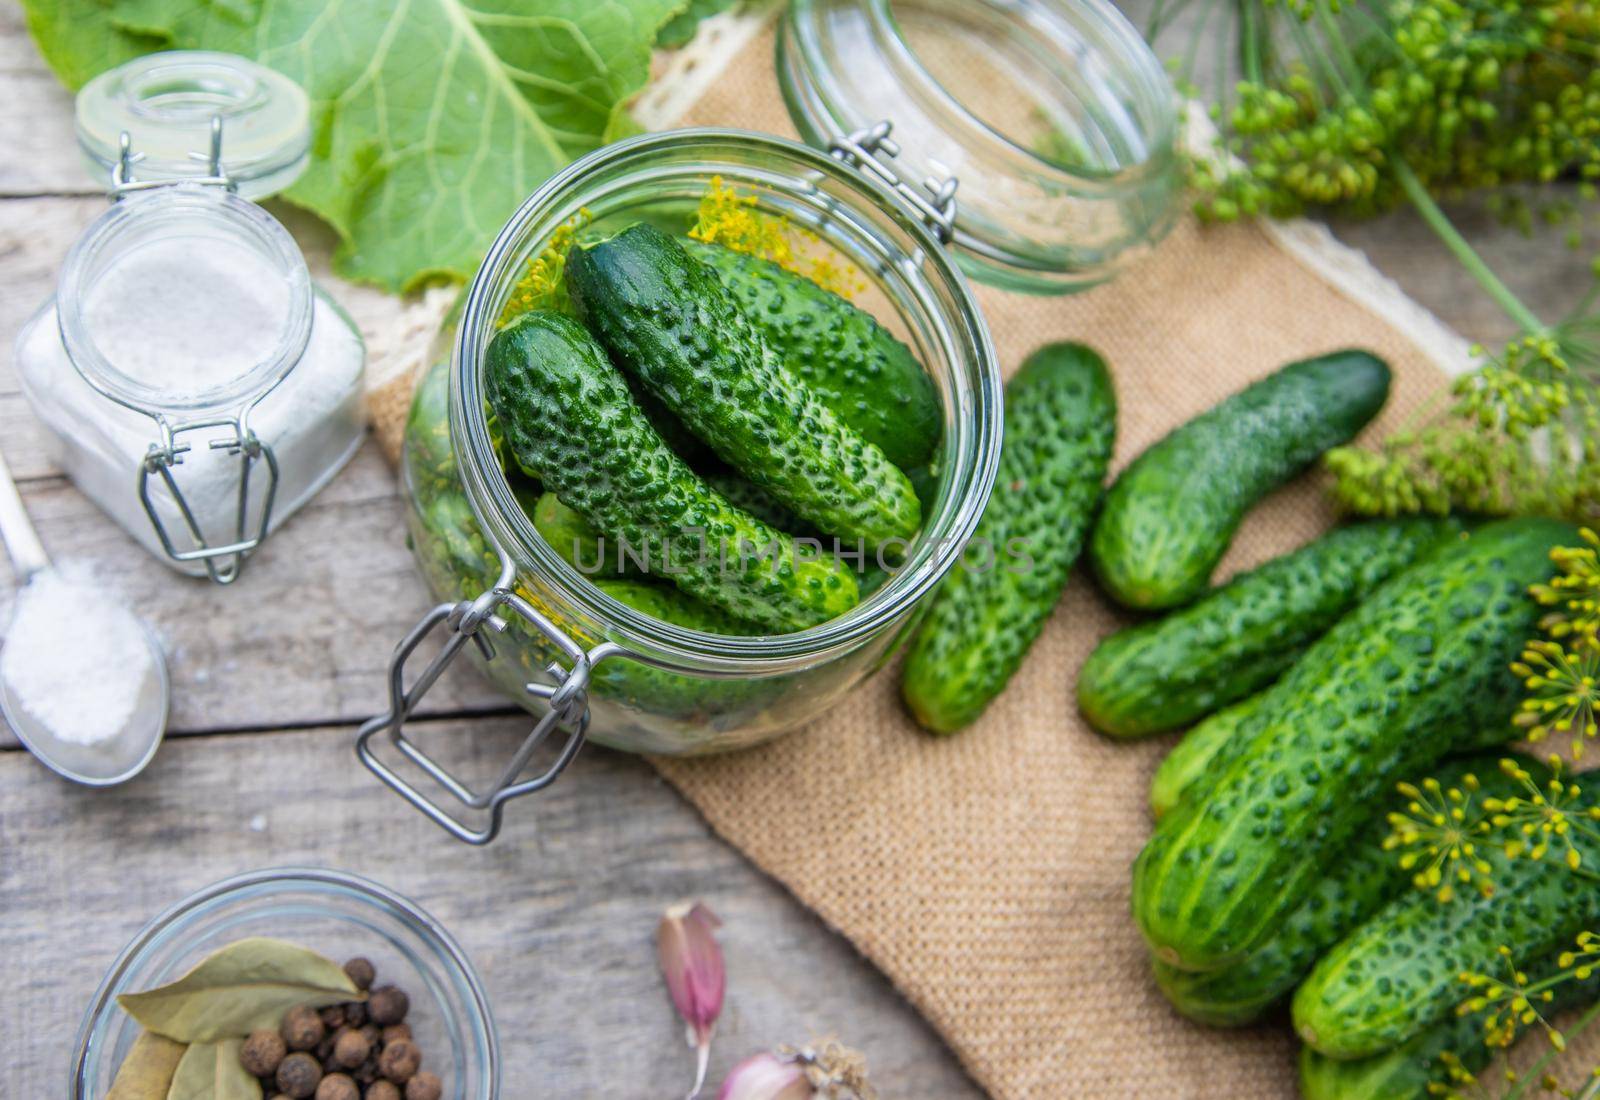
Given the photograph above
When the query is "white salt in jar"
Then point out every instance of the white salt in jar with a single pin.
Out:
(198, 387)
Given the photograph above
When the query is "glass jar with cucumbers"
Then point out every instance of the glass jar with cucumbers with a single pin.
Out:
(719, 410)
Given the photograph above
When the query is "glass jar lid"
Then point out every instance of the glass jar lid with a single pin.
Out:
(1054, 118)
(165, 103)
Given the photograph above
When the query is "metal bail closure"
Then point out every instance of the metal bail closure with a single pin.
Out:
(937, 207)
(222, 563)
(123, 183)
(567, 698)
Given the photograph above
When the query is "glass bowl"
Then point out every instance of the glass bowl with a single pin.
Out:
(337, 914)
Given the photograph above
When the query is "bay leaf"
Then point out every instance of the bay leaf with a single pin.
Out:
(211, 1071)
(248, 984)
(146, 1073)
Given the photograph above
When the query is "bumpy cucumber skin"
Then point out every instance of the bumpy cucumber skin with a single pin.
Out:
(1413, 1070)
(1060, 422)
(1358, 882)
(1238, 638)
(1407, 677)
(570, 421)
(867, 377)
(741, 494)
(668, 321)
(1170, 516)
(1207, 747)
(1398, 974)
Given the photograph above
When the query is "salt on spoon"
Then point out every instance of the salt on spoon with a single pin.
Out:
(83, 683)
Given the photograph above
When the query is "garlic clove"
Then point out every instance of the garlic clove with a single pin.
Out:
(766, 1076)
(691, 963)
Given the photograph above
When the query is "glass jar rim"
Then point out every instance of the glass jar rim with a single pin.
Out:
(492, 499)
(351, 885)
(181, 200)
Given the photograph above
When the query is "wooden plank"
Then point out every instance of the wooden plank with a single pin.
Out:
(302, 638)
(559, 914)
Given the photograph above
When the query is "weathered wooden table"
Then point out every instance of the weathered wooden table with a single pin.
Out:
(271, 676)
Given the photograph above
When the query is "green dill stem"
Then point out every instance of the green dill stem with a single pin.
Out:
(1458, 246)
(1536, 1071)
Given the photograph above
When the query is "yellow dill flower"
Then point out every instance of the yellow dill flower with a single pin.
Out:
(1563, 679)
(1575, 591)
(732, 220)
(1436, 832)
(543, 285)
(1510, 1003)
(1544, 816)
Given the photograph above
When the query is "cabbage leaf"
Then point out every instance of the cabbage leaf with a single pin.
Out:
(431, 119)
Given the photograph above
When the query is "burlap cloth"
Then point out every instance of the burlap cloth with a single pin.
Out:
(987, 874)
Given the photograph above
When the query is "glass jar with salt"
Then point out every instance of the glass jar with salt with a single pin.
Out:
(197, 385)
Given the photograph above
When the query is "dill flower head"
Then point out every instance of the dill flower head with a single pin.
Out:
(1574, 593)
(1544, 816)
(1435, 837)
(1509, 1002)
(1561, 679)
(543, 285)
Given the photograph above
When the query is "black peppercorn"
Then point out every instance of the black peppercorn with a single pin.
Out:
(368, 1072)
(355, 1013)
(388, 1005)
(302, 1028)
(351, 1048)
(360, 971)
(399, 1061)
(383, 1090)
(424, 1086)
(333, 1017)
(336, 1086)
(261, 1053)
(298, 1076)
(396, 1032)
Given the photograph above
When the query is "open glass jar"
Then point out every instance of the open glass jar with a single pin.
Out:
(197, 386)
(591, 665)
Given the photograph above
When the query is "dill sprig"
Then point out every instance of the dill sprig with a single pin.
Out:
(1435, 835)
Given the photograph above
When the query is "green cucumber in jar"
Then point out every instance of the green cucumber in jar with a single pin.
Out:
(1412, 674)
(570, 421)
(1238, 638)
(668, 321)
(852, 363)
(1060, 422)
(1170, 516)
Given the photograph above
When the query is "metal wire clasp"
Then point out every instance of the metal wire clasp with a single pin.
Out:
(167, 452)
(567, 698)
(937, 206)
(123, 183)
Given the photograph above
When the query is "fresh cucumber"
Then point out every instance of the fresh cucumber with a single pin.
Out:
(1205, 748)
(1170, 516)
(858, 369)
(569, 420)
(577, 542)
(1417, 1068)
(1356, 885)
(1060, 420)
(1399, 973)
(668, 604)
(669, 322)
(1238, 638)
(1402, 680)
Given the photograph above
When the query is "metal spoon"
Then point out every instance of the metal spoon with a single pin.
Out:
(101, 763)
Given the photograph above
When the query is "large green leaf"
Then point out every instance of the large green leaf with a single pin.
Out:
(432, 119)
